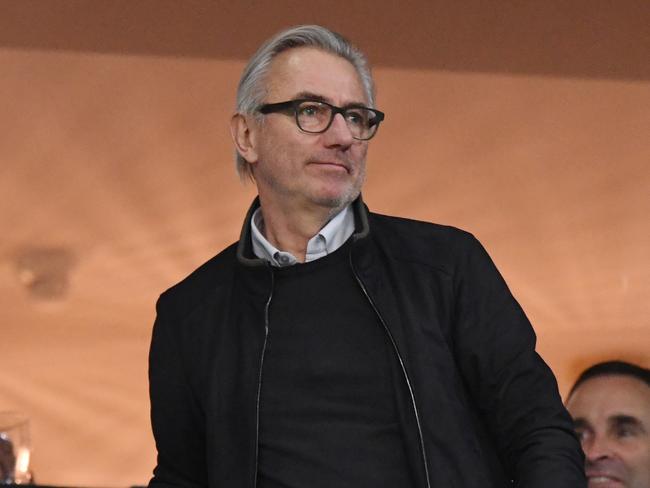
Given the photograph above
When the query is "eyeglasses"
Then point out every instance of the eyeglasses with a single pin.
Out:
(315, 117)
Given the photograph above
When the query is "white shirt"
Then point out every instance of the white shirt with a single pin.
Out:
(332, 236)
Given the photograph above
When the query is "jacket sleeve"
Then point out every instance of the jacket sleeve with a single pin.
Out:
(176, 417)
(514, 390)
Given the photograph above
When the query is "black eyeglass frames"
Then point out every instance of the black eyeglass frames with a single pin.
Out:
(315, 116)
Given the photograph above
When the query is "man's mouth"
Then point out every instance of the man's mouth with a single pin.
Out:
(332, 165)
(602, 480)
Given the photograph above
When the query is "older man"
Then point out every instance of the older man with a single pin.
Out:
(334, 347)
(610, 403)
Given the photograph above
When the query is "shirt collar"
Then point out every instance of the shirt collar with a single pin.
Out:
(332, 236)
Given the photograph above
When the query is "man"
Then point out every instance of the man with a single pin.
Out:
(610, 403)
(334, 347)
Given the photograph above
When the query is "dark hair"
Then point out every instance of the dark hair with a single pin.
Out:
(613, 368)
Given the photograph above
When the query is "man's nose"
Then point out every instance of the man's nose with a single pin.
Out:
(596, 448)
(338, 133)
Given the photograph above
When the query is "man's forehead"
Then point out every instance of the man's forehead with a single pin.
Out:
(329, 77)
(607, 396)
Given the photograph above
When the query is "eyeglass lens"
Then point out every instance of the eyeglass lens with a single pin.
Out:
(316, 117)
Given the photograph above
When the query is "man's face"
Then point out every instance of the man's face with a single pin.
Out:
(296, 170)
(612, 418)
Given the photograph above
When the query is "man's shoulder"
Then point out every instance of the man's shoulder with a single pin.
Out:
(424, 242)
(215, 273)
(418, 232)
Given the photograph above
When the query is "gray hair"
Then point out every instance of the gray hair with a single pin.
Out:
(251, 91)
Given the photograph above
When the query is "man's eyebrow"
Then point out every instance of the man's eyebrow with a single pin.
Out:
(320, 98)
(621, 419)
(312, 96)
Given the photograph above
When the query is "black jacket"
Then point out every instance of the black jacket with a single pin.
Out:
(480, 407)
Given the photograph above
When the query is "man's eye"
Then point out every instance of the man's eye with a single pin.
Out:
(311, 110)
(584, 435)
(357, 118)
(625, 431)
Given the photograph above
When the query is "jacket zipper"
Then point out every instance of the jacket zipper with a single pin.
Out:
(259, 379)
(401, 363)
(395, 348)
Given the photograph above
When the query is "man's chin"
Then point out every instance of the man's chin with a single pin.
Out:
(336, 201)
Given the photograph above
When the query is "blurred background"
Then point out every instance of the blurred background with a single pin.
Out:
(526, 123)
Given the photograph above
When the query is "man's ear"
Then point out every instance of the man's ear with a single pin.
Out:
(243, 137)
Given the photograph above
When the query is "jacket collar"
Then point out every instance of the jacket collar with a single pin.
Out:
(245, 253)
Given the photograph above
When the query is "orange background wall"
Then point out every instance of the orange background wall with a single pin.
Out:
(120, 160)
